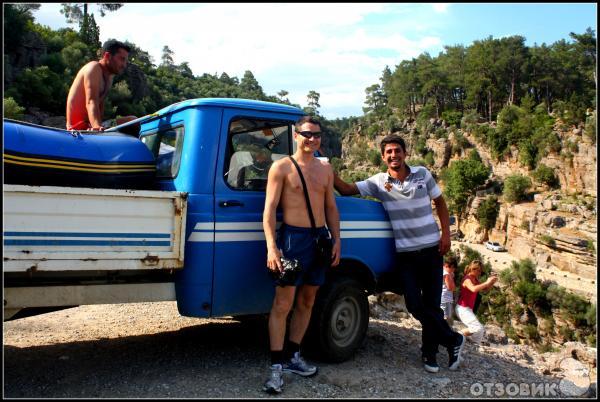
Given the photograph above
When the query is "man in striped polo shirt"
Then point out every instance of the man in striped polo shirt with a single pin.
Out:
(406, 193)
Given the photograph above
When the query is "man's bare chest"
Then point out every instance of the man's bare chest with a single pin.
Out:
(316, 182)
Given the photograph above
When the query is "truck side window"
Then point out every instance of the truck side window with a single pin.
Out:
(166, 146)
(253, 146)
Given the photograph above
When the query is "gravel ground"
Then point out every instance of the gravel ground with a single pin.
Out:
(146, 350)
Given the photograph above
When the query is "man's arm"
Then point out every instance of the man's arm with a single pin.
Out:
(274, 189)
(344, 188)
(91, 84)
(332, 217)
(442, 211)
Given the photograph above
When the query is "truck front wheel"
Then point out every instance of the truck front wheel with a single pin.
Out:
(340, 319)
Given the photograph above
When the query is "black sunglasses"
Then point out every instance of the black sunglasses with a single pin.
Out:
(310, 134)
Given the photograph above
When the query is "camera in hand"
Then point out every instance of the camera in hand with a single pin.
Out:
(290, 271)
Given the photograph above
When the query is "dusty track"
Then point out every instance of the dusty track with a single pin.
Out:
(147, 350)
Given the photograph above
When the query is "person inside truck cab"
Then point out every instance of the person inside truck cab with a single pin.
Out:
(85, 102)
(257, 171)
(406, 193)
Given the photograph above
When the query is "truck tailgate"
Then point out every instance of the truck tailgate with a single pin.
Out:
(66, 228)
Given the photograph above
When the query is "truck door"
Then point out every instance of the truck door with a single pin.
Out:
(241, 283)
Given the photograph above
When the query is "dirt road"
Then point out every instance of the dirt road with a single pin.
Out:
(146, 350)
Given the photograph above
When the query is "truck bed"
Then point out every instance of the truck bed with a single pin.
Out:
(82, 229)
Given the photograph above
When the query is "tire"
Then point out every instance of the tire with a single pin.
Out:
(339, 320)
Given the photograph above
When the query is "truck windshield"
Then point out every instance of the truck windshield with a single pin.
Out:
(166, 146)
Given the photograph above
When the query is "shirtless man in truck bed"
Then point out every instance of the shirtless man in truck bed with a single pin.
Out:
(85, 102)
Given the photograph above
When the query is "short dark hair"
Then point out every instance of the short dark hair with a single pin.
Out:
(451, 261)
(306, 119)
(392, 139)
(112, 46)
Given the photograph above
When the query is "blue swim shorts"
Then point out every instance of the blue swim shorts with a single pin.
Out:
(299, 243)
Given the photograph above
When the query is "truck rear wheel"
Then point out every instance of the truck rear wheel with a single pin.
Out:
(339, 320)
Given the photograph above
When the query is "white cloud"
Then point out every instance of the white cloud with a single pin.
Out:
(440, 7)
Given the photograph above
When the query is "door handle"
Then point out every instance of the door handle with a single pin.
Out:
(231, 203)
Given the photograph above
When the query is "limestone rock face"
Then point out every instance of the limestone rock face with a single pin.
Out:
(532, 232)
(441, 150)
(558, 229)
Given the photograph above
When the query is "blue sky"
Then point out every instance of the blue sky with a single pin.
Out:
(335, 49)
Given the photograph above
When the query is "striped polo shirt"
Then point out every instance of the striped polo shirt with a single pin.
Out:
(408, 205)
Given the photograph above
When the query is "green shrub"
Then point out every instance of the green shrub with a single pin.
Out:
(590, 127)
(566, 332)
(461, 178)
(441, 133)
(591, 340)
(573, 146)
(487, 212)
(545, 175)
(373, 130)
(528, 152)
(354, 176)
(429, 159)
(470, 117)
(12, 110)
(548, 240)
(589, 246)
(421, 147)
(452, 117)
(525, 225)
(461, 141)
(515, 188)
(497, 142)
(375, 157)
(531, 332)
(531, 293)
(512, 334)
(545, 348)
(416, 162)
(336, 164)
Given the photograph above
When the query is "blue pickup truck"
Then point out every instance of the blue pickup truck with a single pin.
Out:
(212, 157)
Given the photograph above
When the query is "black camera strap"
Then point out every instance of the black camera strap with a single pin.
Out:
(310, 213)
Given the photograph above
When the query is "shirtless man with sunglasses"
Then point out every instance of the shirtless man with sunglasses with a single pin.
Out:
(296, 240)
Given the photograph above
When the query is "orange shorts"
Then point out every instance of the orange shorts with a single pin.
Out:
(80, 126)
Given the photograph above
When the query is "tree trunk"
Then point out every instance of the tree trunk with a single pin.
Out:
(490, 105)
(511, 97)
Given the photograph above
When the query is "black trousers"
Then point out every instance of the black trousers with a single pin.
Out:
(420, 273)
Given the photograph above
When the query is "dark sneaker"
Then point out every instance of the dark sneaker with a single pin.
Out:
(454, 353)
(297, 365)
(430, 364)
(275, 382)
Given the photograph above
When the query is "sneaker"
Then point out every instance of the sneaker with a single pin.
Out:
(454, 353)
(297, 365)
(430, 364)
(275, 382)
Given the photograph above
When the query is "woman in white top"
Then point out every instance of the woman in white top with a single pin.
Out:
(448, 286)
